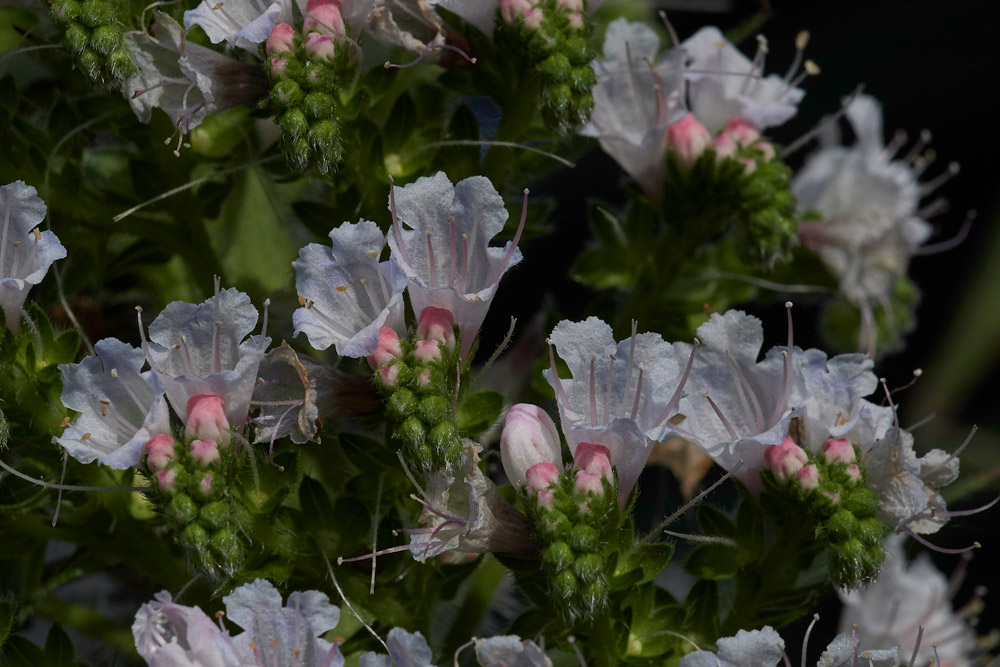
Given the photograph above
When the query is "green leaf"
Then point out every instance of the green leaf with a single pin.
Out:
(19, 652)
(702, 605)
(712, 561)
(714, 522)
(58, 648)
(315, 502)
(478, 412)
(7, 611)
(648, 560)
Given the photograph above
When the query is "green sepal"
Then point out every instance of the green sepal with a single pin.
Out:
(641, 564)
(477, 412)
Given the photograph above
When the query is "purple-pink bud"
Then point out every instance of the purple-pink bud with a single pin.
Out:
(749, 166)
(571, 5)
(767, 148)
(320, 46)
(741, 131)
(159, 451)
(588, 482)
(594, 459)
(529, 437)
(785, 459)
(279, 67)
(427, 351)
(205, 485)
(205, 451)
(510, 10)
(325, 19)
(575, 20)
(437, 324)
(167, 479)
(424, 379)
(723, 145)
(838, 450)
(280, 40)
(387, 350)
(389, 375)
(206, 419)
(545, 498)
(541, 476)
(808, 476)
(688, 139)
(853, 472)
(533, 18)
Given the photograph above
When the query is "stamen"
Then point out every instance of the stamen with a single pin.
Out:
(785, 658)
(371, 298)
(593, 394)
(62, 478)
(218, 8)
(263, 326)
(704, 539)
(274, 434)
(560, 392)
(934, 547)
(954, 241)
(722, 417)
(937, 658)
(432, 510)
(822, 125)
(951, 514)
(310, 305)
(427, 49)
(397, 229)
(451, 266)
(463, 283)
(744, 390)
(576, 649)
(607, 391)
(384, 552)
(638, 394)
(779, 406)
(888, 397)
(675, 399)
(961, 448)
(68, 487)
(187, 356)
(513, 244)
(433, 265)
(897, 142)
(674, 40)
(757, 65)
(631, 364)
(216, 347)
(347, 603)
(801, 40)
(3, 238)
(811, 69)
(329, 656)
(935, 208)
(805, 641)
(924, 139)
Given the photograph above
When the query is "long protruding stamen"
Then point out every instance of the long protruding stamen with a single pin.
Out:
(607, 390)
(949, 514)
(779, 406)
(310, 305)
(560, 392)
(826, 122)
(898, 141)
(451, 264)
(953, 170)
(674, 40)
(513, 244)
(811, 69)
(576, 649)
(801, 40)
(676, 398)
(805, 640)
(383, 552)
(68, 487)
(757, 66)
(953, 242)
(961, 448)
(593, 393)
(396, 227)
(925, 138)
(428, 48)
(263, 326)
(662, 107)
(722, 417)
(327, 660)
(430, 260)
(746, 390)
(371, 298)
(430, 508)
(888, 397)
(940, 550)
(935, 208)
(3, 238)
(631, 364)
(463, 279)
(219, 8)
(143, 343)
(638, 395)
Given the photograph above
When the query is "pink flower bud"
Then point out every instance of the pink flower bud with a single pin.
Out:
(424, 379)
(834, 497)
(533, 18)
(749, 166)
(166, 479)
(437, 324)
(204, 451)
(389, 375)
(427, 351)
(324, 19)
(767, 147)
(571, 5)
(205, 485)
(724, 146)
(320, 46)
(808, 477)
(594, 459)
(741, 131)
(575, 20)
(541, 476)
(588, 482)
(511, 9)
(387, 350)
(545, 498)
(529, 437)
(311, 5)
(785, 459)
(206, 419)
(838, 450)
(159, 451)
(280, 40)
(853, 472)
(279, 67)
(688, 139)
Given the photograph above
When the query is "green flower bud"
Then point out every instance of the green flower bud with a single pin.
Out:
(214, 515)
(120, 62)
(325, 136)
(401, 404)
(90, 62)
(77, 37)
(412, 432)
(95, 13)
(443, 437)
(558, 97)
(557, 556)
(318, 105)
(66, 11)
(585, 538)
(871, 561)
(582, 80)
(194, 537)
(578, 51)
(556, 67)
(106, 38)
(225, 544)
(842, 525)
(299, 153)
(294, 124)
(588, 567)
(565, 585)
(595, 594)
(182, 509)
(862, 502)
(434, 409)
(287, 93)
(870, 530)
(424, 457)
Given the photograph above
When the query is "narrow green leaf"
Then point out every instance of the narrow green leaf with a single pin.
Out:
(58, 648)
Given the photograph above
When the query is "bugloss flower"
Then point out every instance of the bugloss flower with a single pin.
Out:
(121, 407)
(908, 596)
(186, 80)
(411, 649)
(203, 350)
(243, 23)
(620, 395)
(638, 95)
(441, 238)
(529, 437)
(274, 635)
(346, 294)
(737, 406)
(25, 252)
(723, 84)
(405, 648)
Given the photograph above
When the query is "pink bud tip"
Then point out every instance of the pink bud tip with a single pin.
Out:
(159, 451)
(741, 131)
(834, 497)
(688, 139)
(749, 166)
(571, 5)
(166, 479)
(205, 485)
(545, 498)
(204, 451)
(595, 459)
(427, 350)
(575, 20)
(320, 46)
(511, 9)
(529, 437)
(389, 375)
(312, 5)
(533, 18)
(838, 450)
(767, 147)
(853, 472)
(588, 482)
(785, 459)
(424, 379)
(724, 146)
(808, 477)
(437, 324)
(279, 67)
(387, 350)
(281, 39)
(541, 476)
(325, 19)
(206, 419)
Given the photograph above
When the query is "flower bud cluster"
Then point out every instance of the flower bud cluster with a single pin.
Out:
(688, 139)
(556, 34)
(304, 71)
(95, 37)
(576, 515)
(831, 484)
(191, 474)
(416, 378)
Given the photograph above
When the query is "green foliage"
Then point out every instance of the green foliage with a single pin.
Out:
(841, 320)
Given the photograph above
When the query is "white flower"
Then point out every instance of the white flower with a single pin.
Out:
(275, 635)
(842, 651)
(756, 648)
(510, 651)
(203, 350)
(25, 252)
(724, 84)
(737, 406)
(405, 648)
(121, 408)
(186, 80)
(242, 23)
(441, 238)
(638, 95)
(906, 597)
(620, 394)
(347, 295)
